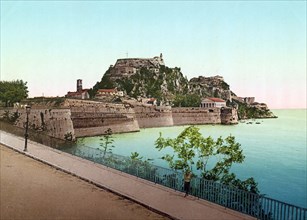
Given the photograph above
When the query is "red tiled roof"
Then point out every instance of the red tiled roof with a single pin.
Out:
(77, 93)
(73, 93)
(216, 99)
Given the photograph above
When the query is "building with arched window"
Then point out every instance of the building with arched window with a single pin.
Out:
(210, 102)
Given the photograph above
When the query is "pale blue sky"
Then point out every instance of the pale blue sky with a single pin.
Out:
(259, 47)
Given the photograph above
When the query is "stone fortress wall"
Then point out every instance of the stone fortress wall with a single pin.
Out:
(52, 122)
(81, 118)
(92, 118)
(151, 116)
(196, 116)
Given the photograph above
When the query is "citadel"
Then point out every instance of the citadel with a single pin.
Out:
(79, 116)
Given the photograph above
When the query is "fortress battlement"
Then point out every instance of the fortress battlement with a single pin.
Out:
(129, 66)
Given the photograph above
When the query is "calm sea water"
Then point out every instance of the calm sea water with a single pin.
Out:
(275, 151)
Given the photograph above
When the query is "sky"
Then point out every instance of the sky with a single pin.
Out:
(259, 47)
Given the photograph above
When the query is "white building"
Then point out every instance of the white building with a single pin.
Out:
(109, 92)
(212, 103)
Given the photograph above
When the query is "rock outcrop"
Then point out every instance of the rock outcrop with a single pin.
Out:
(151, 78)
(130, 66)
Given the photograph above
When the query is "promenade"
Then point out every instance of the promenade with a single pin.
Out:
(24, 180)
(158, 198)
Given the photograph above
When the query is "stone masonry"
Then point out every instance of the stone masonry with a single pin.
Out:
(80, 118)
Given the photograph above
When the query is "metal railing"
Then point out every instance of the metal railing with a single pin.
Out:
(245, 202)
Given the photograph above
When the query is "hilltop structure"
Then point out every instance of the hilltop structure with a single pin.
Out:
(129, 66)
(151, 78)
(139, 93)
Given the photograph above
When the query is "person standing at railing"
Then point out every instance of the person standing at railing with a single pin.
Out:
(187, 179)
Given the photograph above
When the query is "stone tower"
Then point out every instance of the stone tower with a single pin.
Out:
(79, 85)
(161, 61)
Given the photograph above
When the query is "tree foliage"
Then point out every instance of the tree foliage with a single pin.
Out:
(105, 83)
(213, 158)
(13, 91)
(107, 142)
(187, 100)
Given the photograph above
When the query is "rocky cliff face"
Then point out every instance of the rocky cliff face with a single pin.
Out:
(162, 83)
(128, 67)
(252, 110)
(214, 86)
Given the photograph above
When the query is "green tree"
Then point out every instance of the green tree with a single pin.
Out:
(135, 156)
(190, 148)
(105, 83)
(106, 142)
(13, 91)
(187, 100)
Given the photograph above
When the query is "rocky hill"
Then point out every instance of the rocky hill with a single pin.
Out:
(214, 86)
(140, 80)
(139, 77)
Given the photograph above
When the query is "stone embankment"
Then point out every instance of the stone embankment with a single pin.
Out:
(196, 116)
(92, 118)
(52, 122)
(80, 118)
(151, 116)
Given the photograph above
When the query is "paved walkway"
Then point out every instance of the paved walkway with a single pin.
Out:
(156, 197)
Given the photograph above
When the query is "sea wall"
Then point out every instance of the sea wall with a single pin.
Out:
(80, 118)
(153, 116)
(196, 116)
(229, 116)
(118, 127)
(92, 124)
(92, 118)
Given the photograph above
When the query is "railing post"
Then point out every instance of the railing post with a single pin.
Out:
(259, 206)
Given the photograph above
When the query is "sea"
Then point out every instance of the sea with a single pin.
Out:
(274, 149)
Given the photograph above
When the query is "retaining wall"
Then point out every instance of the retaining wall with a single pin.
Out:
(90, 118)
(53, 122)
(151, 116)
(196, 116)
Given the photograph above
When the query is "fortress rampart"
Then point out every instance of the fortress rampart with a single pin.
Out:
(151, 116)
(80, 118)
(91, 118)
(52, 122)
(196, 116)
